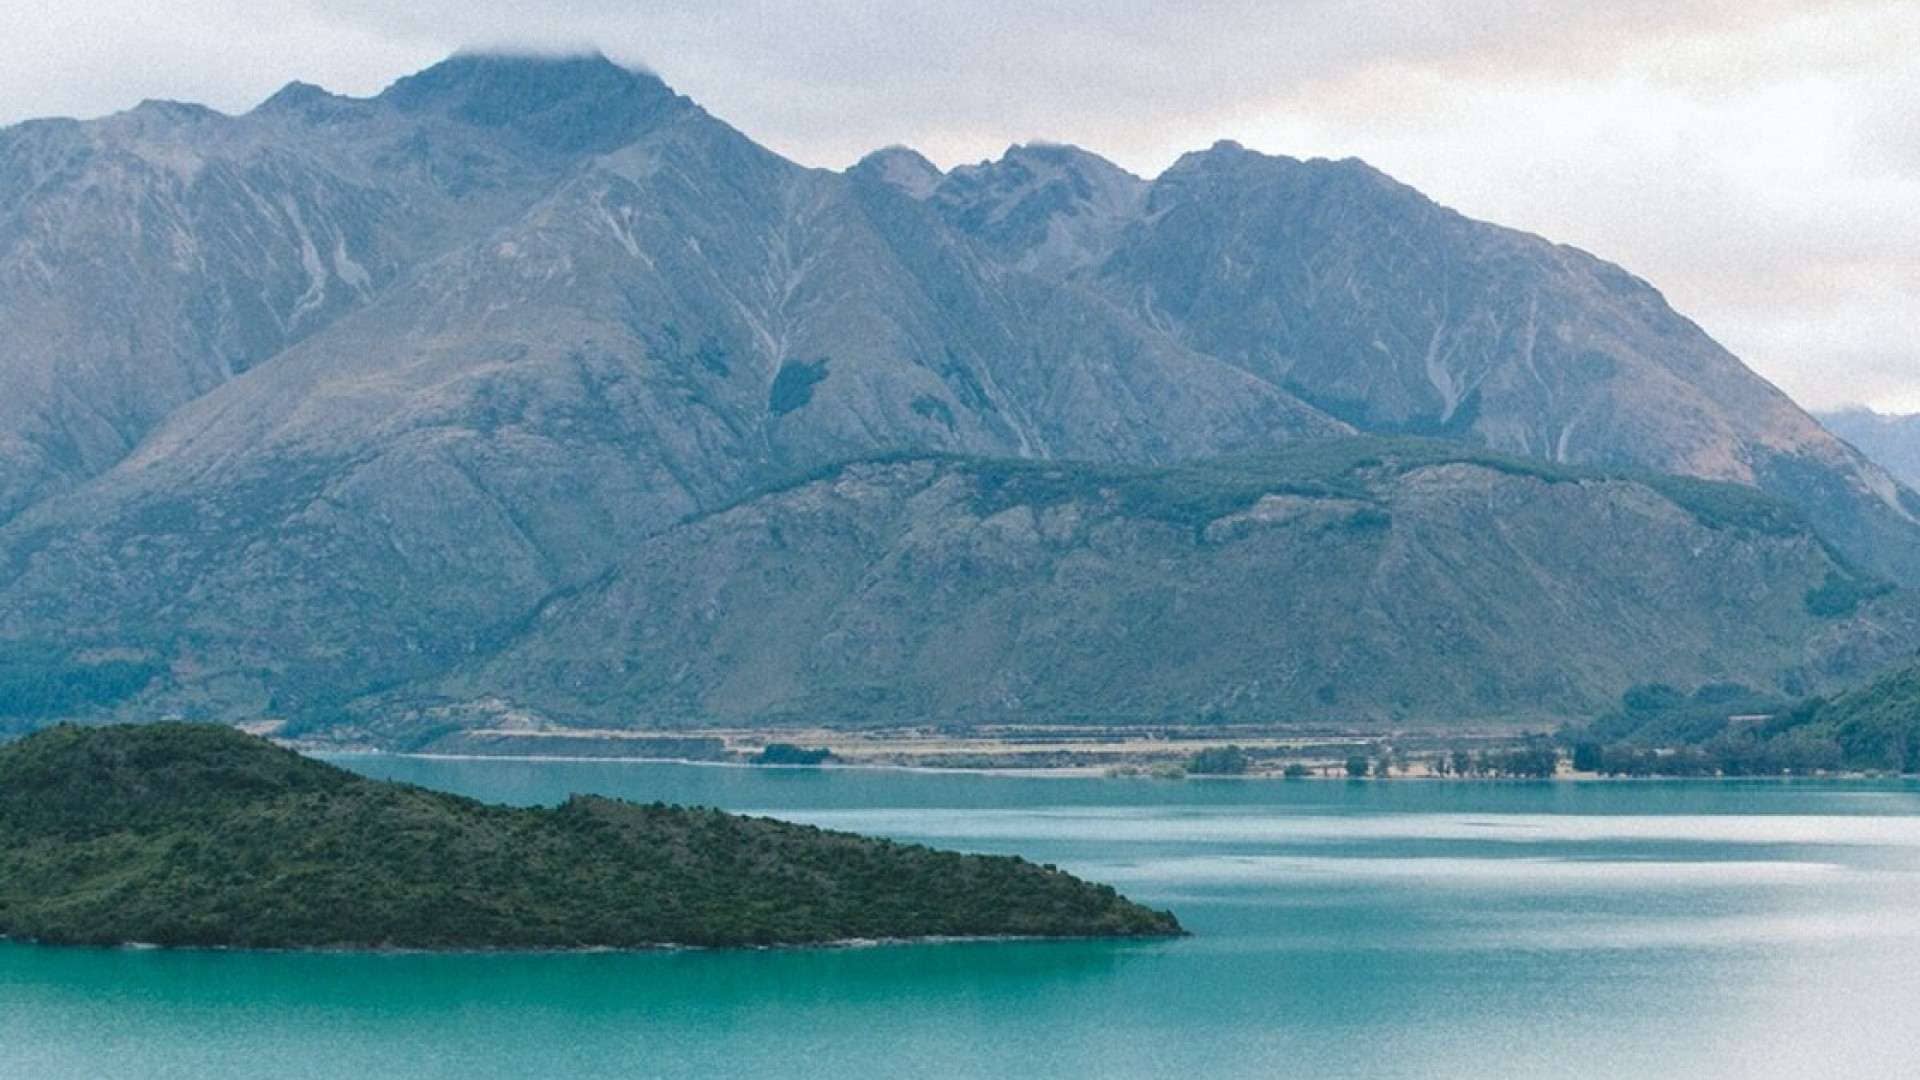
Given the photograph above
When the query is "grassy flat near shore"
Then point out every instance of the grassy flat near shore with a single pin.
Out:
(199, 835)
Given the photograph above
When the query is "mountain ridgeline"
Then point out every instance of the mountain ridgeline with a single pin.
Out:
(529, 383)
(181, 834)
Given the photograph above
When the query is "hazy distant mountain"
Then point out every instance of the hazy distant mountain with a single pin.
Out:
(1891, 440)
(330, 399)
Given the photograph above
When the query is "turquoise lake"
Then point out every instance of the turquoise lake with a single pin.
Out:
(1403, 928)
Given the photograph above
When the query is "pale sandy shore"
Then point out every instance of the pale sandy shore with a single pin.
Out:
(1037, 751)
(1051, 752)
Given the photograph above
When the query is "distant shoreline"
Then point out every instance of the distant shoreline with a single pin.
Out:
(1083, 771)
(1132, 771)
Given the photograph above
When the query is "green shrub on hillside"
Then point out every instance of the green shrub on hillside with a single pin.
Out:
(1840, 595)
(1229, 760)
(780, 753)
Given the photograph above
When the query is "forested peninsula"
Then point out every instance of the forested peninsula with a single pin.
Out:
(200, 835)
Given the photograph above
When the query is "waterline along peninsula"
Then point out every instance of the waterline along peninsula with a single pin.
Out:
(175, 834)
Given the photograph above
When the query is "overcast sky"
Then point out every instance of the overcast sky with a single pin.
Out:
(1758, 160)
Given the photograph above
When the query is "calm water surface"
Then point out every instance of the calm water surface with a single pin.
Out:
(1387, 929)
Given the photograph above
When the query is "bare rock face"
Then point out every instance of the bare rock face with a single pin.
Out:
(334, 398)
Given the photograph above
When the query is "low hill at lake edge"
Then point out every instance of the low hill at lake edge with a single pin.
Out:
(199, 835)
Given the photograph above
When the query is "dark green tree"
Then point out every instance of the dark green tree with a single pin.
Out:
(1229, 760)
(1587, 757)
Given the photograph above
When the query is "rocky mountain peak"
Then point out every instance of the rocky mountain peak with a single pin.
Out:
(1227, 158)
(1046, 207)
(1227, 161)
(158, 114)
(1223, 153)
(902, 167)
(584, 102)
(296, 96)
(1027, 169)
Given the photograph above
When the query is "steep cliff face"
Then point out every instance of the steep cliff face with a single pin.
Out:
(331, 398)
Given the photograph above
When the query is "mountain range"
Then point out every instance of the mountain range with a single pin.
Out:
(529, 380)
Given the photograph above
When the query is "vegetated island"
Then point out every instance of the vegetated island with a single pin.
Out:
(200, 835)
